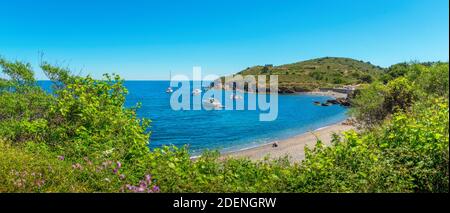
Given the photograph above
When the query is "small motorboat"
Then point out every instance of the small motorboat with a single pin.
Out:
(325, 104)
(235, 97)
(317, 103)
(197, 92)
(212, 103)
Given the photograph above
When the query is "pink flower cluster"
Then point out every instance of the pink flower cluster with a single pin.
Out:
(21, 181)
(145, 186)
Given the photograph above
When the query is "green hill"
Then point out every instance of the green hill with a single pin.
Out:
(320, 72)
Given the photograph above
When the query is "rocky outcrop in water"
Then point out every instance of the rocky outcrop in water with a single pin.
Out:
(341, 101)
(285, 90)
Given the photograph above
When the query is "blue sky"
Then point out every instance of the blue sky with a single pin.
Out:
(146, 39)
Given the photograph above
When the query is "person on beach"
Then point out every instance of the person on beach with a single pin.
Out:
(275, 144)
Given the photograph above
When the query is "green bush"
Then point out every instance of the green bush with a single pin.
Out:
(400, 95)
(83, 119)
(408, 154)
(365, 78)
(368, 105)
(432, 80)
(407, 84)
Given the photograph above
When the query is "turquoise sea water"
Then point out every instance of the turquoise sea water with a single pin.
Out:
(226, 130)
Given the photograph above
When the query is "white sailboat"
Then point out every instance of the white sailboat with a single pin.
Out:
(169, 89)
(196, 92)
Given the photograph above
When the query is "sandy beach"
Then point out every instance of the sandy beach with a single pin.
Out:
(317, 93)
(294, 147)
(327, 93)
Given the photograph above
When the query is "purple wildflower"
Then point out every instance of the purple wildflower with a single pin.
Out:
(143, 184)
(119, 164)
(141, 189)
(77, 166)
(40, 182)
(155, 189)
(148, 179)
(129, 187)
(61, 157)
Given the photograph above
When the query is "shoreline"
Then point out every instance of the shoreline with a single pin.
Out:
(293, 146)
(331, 94)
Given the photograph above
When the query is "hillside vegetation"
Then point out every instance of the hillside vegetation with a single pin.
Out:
(321, 72)
(81, 138)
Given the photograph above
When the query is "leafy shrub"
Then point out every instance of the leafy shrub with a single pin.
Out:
(83, 119)
(416, 82)
(365, 78)
(408, 154)
(400, 95)
(368, 105)
(432, 79)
